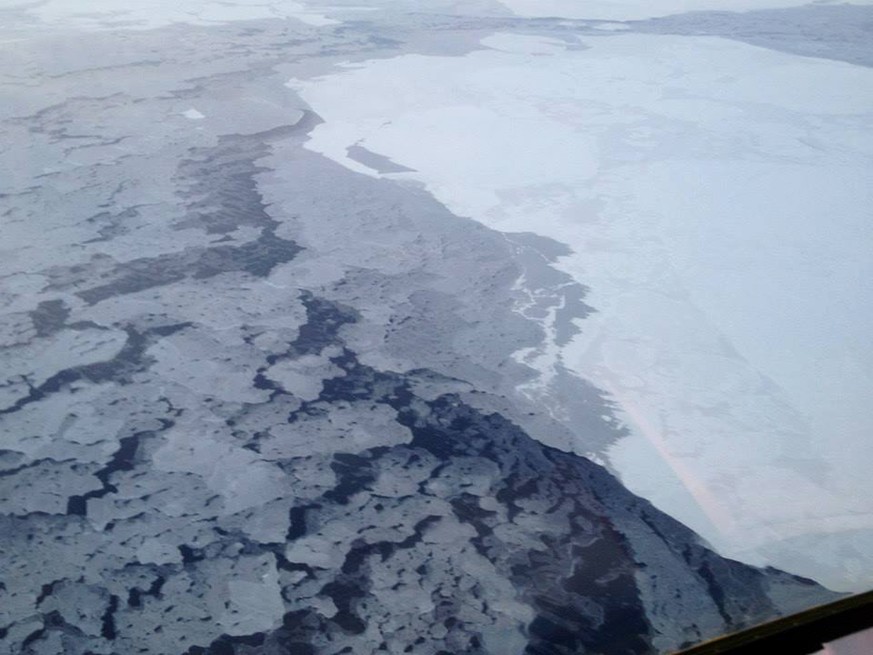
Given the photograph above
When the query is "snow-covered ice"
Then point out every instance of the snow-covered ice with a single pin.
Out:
(637, 10)
(716, 197)
(251, 399)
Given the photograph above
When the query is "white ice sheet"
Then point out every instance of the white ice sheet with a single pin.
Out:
(717, 198)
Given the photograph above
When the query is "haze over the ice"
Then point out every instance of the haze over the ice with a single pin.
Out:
(623, 10)
(431, 325)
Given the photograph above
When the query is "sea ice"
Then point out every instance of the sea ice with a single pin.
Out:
(716, 197)
(639, 9)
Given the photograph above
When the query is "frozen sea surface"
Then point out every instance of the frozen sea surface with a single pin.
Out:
(429, 327)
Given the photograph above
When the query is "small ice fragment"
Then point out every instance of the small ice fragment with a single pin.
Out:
(193, 114)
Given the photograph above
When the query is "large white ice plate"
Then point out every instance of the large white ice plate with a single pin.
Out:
(717, 198)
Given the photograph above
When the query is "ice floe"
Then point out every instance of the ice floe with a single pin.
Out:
(715, 198)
